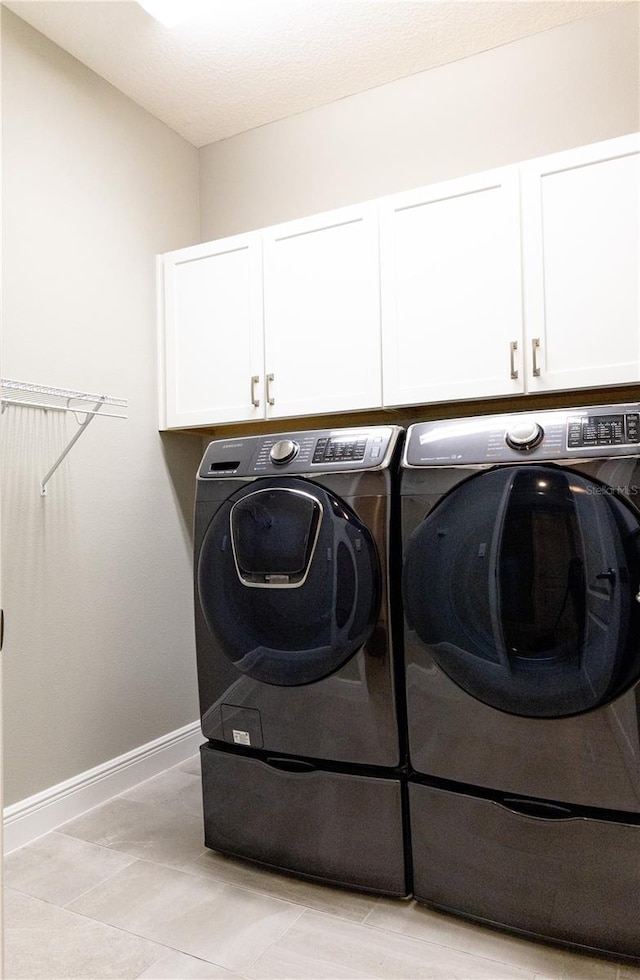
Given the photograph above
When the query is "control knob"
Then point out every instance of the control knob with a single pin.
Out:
(524, 435)
(284, 451)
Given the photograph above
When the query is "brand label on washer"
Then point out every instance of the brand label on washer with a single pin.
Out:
(241, 738)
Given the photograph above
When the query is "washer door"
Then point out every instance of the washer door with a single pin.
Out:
(289, 581)
(522, 582)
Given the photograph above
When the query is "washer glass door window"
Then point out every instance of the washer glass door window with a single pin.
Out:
(522, 583)
(274, 533)
(289, 581)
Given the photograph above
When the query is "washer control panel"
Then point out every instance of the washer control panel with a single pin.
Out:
(332, 449)
(545, 435)
(316, 451)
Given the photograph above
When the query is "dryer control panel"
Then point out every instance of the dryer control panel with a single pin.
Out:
(295, 453)
(595, 429)
(580, 433)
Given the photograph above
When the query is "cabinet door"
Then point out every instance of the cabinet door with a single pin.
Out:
(580, 234)
(213, 333)
(451, 290)
(322, 314)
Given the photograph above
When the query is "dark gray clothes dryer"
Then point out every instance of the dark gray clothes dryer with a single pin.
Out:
(521, 590)
(297, 670)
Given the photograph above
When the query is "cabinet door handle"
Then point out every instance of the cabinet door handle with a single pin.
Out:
(255, 400)
(270, 396)
(513, 348)
(535, 347)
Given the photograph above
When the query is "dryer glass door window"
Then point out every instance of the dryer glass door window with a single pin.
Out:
(522, 584)
(289, 581)
(541, 571)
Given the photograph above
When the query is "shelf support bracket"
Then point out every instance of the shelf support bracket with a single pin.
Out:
(83, 425)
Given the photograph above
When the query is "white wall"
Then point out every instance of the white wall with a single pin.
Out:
(99, 656)
(566, 87)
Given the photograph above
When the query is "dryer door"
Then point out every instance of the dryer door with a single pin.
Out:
(522, 583)
(289, 581)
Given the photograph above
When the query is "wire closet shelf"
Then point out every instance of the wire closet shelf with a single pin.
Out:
(83, 405)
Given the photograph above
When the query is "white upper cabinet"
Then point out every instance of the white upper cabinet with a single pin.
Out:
(213, 335)
(519, 280)
(452, 290)
(581, 212)
(322, 314)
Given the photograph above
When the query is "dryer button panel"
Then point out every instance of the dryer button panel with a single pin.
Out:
(603, 430)
(612, 430)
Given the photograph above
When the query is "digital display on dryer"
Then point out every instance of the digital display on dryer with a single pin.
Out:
(603, 430)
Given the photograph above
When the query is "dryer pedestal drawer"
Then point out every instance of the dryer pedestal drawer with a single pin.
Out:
(342, 828)
(527, 865)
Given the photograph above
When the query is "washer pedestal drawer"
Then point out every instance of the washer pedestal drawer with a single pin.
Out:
(533, 867)
(338, 827)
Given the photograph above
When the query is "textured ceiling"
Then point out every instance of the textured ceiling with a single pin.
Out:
(245, 63)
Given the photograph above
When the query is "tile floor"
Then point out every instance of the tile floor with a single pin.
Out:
(128, 890)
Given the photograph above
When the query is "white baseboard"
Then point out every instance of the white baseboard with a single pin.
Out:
(37, 815)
